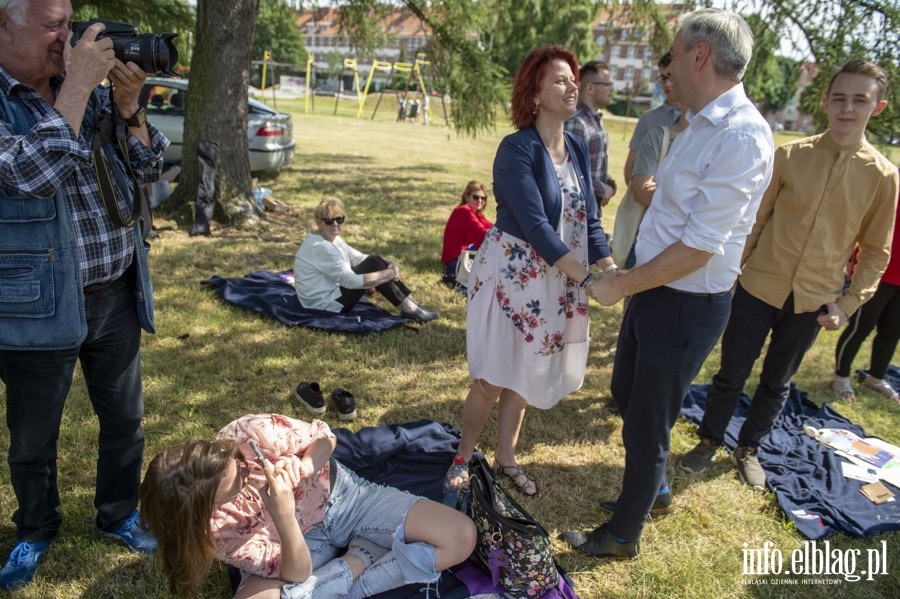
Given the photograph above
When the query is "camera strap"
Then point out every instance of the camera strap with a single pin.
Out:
(110, 129)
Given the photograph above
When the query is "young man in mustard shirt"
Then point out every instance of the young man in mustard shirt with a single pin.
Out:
(829, 194)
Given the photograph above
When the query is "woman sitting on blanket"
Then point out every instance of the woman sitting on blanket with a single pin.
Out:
(465, 228)
(331, 275)
(283, 521)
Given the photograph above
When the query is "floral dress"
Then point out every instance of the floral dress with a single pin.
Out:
(527, 322)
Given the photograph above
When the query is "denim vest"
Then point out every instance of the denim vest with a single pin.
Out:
(41, 296)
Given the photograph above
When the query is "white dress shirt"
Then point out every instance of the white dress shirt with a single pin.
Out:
(708, 190)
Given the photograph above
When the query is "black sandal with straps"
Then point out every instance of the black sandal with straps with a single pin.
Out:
(517, 476)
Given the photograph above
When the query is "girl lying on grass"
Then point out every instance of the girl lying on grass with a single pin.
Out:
(285, 520)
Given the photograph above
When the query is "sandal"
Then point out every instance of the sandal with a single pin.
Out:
(841, 386)
(879, 386)
(522, 482)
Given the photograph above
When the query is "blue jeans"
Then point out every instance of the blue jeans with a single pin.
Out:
(664, 339)
(358, 508)
(37, 383)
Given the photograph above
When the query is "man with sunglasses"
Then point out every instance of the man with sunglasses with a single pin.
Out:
(663, 115)
(595, 92)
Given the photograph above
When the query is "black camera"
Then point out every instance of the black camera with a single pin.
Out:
(155, 54)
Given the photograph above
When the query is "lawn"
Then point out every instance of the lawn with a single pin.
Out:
(209, 363)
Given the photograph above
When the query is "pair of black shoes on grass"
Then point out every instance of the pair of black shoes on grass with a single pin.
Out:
(309, 395)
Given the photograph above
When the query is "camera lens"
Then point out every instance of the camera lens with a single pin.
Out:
(153, 53)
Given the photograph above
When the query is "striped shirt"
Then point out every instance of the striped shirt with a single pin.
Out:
(588, 125)
(51, 157)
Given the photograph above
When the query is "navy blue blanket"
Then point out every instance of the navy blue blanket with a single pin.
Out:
(805, 476)
(413, 457)
(269, 293)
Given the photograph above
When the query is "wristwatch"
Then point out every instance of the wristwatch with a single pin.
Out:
(137, 119)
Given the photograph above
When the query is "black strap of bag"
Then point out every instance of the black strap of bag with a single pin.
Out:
(485, 489)
(111, 129)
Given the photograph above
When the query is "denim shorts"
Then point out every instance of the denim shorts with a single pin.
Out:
(357, 508)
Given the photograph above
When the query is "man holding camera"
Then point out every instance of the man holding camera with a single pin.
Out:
(74, 286)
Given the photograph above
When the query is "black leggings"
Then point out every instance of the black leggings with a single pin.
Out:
(883, 311)
(394, 291)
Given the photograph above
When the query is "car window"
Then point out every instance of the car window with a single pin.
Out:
(165, 100)
(257, 107)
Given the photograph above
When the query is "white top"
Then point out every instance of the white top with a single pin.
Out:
(321, 268)
(708, 190)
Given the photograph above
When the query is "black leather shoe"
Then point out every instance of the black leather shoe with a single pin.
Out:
(661, 507)
(420, 314)
(598, 543)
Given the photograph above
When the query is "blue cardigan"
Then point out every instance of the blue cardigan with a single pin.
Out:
(529, 202)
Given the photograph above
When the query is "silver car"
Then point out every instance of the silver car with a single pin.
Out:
(270, 134)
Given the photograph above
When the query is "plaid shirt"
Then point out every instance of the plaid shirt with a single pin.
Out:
(50, 157)
(587, 124)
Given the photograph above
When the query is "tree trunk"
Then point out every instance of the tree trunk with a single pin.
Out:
(217, 108)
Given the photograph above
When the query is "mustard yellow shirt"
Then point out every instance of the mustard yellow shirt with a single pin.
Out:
(823, 201)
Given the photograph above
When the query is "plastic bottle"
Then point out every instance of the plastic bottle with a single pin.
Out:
(455, 482)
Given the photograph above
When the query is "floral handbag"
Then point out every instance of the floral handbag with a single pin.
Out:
(512, 546)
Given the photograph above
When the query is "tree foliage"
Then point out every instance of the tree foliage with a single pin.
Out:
(276, 31)
(831, 32)
(517, 27)
(771, 80)
(156, 16)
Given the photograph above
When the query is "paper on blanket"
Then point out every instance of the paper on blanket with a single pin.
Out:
(863, 452)
(857, 472)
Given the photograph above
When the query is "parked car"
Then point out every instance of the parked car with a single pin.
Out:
(270, 134)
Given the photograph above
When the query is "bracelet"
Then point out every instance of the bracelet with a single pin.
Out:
(610, 268)
(586, 281)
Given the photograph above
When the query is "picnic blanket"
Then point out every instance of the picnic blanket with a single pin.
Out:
(805, 476)
(272, 294)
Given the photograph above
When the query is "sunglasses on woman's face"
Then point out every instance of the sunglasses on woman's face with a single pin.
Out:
(328, 220)
(478, 198)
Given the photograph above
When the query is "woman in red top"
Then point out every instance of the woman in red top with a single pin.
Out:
(881, 313)
(465, 228)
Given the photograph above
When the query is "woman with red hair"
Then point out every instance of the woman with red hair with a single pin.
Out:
(527, 318)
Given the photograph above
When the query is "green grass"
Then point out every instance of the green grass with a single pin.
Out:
(210, 362)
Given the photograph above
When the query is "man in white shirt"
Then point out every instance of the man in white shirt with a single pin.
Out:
(663, 115)
(688, 251)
